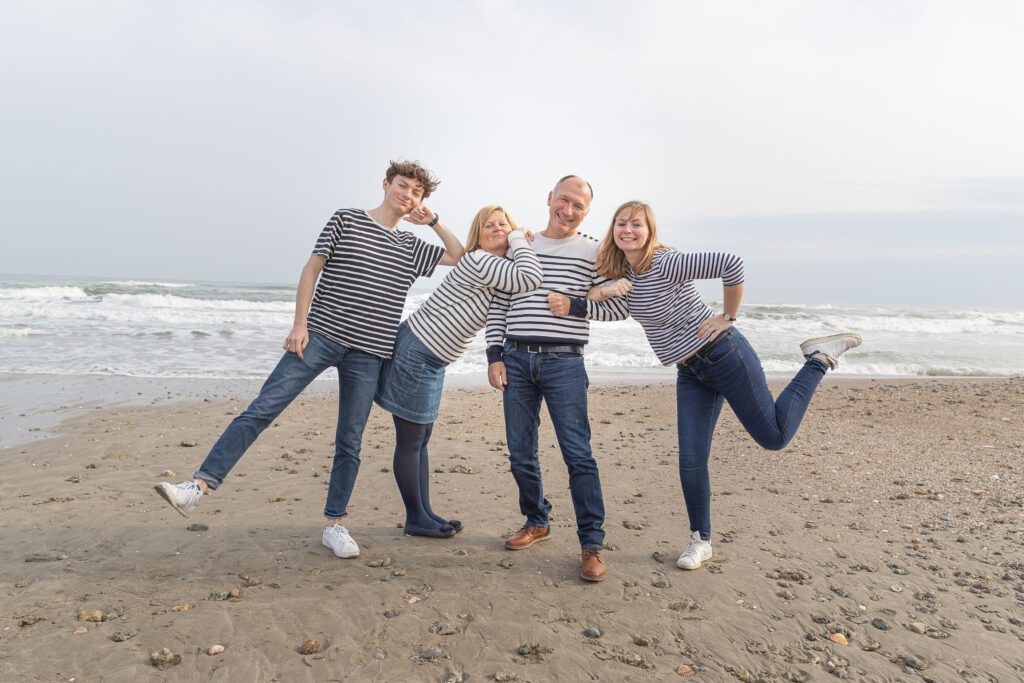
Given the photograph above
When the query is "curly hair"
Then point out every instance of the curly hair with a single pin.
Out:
(412, 169)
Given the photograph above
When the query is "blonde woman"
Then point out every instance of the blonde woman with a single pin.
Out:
(497, 257)
(715, 361)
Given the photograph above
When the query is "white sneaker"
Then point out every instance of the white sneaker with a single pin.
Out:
(337, 539)
(695, 553)
(183, 497)
(831, 347)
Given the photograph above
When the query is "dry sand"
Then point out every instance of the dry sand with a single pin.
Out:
(894, 522)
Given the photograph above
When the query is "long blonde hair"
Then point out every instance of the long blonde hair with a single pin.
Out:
(611, 261)
(473, 240)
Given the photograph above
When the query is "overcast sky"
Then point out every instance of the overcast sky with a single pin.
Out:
(850, 151)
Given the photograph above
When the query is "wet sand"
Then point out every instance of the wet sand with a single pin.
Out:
(886, 543)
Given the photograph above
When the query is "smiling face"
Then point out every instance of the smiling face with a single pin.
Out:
(403, 194)
(631, 232)
(494, 233)
(568, 205)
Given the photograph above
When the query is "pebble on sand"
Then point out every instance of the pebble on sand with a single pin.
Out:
(839, 638)
(592, 632)
(93, 615)
(168, 473)
(310, 646)
(685, 670)
(187, 443)
(164, 659)
(215, 650)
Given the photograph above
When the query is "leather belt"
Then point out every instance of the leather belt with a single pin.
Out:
(547, 348)
(704, 349)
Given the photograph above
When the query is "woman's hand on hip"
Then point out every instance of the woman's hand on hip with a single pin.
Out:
(713, 326)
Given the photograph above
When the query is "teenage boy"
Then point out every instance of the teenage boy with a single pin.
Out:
(534, 356)
(347, 320)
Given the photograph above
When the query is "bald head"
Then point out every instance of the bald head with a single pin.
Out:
(568, 205)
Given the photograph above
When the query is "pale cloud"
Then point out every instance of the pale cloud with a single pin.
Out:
(211, 140)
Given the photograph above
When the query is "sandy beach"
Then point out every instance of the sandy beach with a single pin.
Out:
(885, 544)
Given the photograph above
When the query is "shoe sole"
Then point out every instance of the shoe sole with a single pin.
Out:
(160, 488)
(832, 337)
(592, 579)
(344, 557)
(524, 547)
(699, 564)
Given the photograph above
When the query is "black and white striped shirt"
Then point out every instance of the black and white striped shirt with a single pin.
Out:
(666, 304)
(568, 269)
(367, 273)
(447, 322)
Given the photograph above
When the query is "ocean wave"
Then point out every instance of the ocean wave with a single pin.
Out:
(20, 332)
(180, 302)
(141, 283)
(42, 293)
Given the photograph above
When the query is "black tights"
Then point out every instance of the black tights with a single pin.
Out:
(412, 472)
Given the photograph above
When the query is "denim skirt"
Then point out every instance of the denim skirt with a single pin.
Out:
(411, 381)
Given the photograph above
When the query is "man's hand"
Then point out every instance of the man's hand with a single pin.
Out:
(496, 375)
(558, 304)
(421, 215)
(297, 340)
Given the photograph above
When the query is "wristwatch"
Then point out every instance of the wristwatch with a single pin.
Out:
(432, 223)
(730, 318)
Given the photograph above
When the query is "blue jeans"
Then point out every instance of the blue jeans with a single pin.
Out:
(560, 380)
(731, 371)
(357, 381)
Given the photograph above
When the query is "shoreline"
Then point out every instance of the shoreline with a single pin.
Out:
(33, 406)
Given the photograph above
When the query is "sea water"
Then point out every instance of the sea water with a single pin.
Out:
(227, 330)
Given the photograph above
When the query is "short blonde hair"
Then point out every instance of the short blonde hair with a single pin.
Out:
(473, 241)
(611, 262)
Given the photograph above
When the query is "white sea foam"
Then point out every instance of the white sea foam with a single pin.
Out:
(42, 293)
(235, 331)
(138, 283)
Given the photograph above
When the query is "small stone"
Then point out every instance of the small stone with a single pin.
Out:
(164, 659)
(685, 670)
(635, 526)
(310, 646)
(461, 469)
(197, 526)
(215, 650)
(120, 636)
(661, 582)
(592, 632)
(880, 624)
(80, 630)
(872, 646)
(915, 663)
(641, 641)
(391, 613)
(93, 615)
(505, 676)
(444, 629)
(917, 627)
(839, 638)
(188, 443)
(506, 564)
(453, 677)
(168, 473)
(432, 654)
(659, 557)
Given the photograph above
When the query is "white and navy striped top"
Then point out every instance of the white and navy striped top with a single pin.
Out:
(666, 304)
(568, 269)
(447, 322)
(367, 273)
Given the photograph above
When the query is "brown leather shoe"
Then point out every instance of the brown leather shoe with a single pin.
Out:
(593, 568)
(527, 536)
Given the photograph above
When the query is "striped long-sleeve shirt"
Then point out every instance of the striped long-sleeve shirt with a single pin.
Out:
(568, 269)
(447, 322)
(666, 304)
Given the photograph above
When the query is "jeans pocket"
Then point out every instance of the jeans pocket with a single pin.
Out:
(406, 375)
(719, 352)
